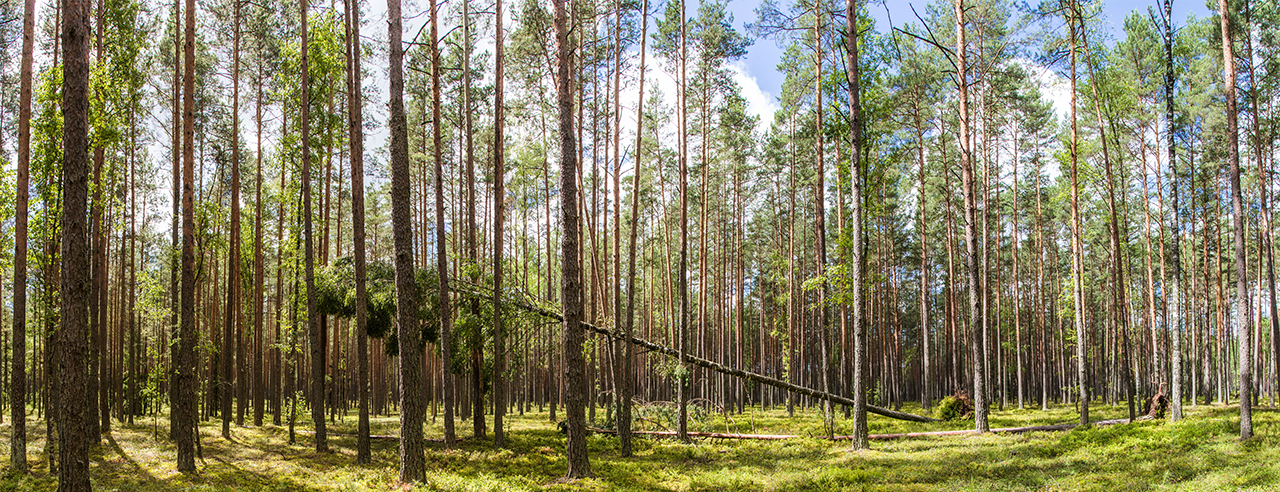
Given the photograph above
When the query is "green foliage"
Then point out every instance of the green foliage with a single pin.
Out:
(336, 296)
(954, 408)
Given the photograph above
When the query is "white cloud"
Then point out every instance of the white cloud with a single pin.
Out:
(759, 102)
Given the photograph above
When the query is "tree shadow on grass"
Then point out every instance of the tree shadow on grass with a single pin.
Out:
(125, 465)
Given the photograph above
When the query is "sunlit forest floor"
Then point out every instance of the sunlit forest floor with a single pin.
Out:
(1199, 453)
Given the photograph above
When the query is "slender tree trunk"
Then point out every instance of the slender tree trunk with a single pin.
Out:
(499, 209)
(232, 317)
(1237, 214)
(278, 392)
(314, 328)
(1077, 248)
(624, 406)
(442, 262)
(1017, 279)
(475, 342)
(18, 381)
(1176, 352)
(856, 259)
(98, 287)
(355, 127)
(926, 381)
(186, 360)
(1119, 316)
(175, 254)
(570, 278)
(683, 376)
(820, 225)
(259, 381)
(1265, 244)
(970, 230)
(412, 461)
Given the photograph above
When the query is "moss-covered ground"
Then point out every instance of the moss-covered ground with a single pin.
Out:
(1201, 452)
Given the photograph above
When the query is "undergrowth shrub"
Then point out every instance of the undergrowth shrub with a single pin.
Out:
(956, 407)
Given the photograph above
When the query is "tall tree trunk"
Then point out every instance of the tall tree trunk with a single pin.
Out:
(1118, 299)
(442, 258)
(970, 230)
(1175, 353)
(278, 392)
(259, 381)
(232, 321)
(355, 127)
(175, 254)
(1077, 247)
(570, 278)
(18, 381)
(499, 209)
(820, 223)
(1237, 214)
(73, 446)
(1265, 243)
(855, 231)
(315, 329)
(682, 378)
(1017, 279)
(98, 287)
(186, 360)
(475, 342)
(926, 381)
(412, 461)
(624, 406)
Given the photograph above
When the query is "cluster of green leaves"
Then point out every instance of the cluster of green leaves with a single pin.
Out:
(335, 292)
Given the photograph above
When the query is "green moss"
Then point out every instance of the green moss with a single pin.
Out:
(1200, 453)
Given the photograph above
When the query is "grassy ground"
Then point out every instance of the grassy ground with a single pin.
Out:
(1199, 453)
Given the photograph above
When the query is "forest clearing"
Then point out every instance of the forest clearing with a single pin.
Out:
(1198, 453)
(639, 244)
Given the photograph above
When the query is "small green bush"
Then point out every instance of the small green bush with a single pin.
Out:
(954, 408)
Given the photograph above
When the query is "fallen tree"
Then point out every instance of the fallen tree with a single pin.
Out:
(905, 435)
(1004, 430)
(706, 364)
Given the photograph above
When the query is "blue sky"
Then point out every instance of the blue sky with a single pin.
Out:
(762, 58)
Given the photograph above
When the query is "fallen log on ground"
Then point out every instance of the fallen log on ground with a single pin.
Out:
(778, 437)
(706, 364)
(712, 435)
(1004, 430)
